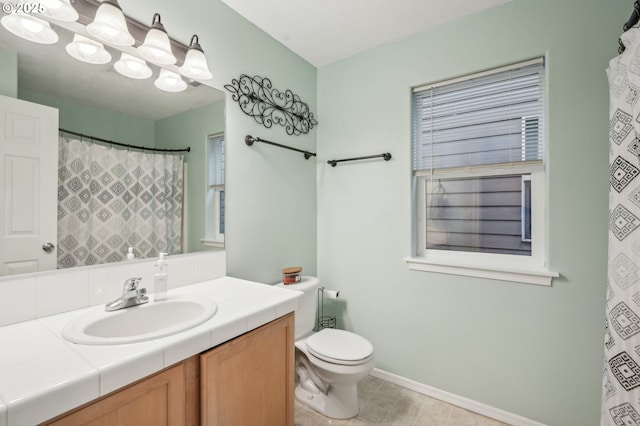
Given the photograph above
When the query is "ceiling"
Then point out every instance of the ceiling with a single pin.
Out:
(325, 31)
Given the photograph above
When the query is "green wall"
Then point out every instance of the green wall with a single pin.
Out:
(191, 129)
(531, 350)
(97, 122)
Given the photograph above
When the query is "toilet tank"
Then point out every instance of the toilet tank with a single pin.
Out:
(306, 312)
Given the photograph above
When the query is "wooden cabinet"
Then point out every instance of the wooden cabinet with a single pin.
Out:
(154, 401)
(248, 381)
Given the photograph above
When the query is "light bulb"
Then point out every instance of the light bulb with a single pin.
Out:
(32, 25)
(86, 50)
(110, 25)
(29, 28)
(60, 10)
(157, 46)
(195, 63)
(170, 81)
(132, 67)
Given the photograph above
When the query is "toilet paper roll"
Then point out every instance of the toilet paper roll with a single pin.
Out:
(331, 294)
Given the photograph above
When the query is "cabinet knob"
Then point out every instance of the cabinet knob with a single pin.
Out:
(48, 247)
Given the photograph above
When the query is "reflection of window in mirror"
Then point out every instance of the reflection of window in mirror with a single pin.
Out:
(214, 226)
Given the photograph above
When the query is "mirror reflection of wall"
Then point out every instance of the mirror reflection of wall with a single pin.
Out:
(95, 100)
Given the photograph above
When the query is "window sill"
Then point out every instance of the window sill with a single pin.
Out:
(527, 274)
(210, 242)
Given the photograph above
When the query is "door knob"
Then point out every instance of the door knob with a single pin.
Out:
(48, 247)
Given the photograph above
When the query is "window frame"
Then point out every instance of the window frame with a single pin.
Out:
(508, 267)
(214, 236)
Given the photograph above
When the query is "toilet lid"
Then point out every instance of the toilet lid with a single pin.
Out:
(339, 346)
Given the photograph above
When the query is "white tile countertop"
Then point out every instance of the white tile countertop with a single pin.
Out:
(42, 375)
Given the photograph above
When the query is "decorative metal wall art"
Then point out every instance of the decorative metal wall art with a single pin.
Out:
(258, 99)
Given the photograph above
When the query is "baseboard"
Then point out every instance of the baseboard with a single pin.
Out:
(468, 404)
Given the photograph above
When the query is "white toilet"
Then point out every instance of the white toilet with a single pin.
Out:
(330, 362)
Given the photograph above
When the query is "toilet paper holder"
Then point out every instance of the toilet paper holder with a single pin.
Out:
(325, 321)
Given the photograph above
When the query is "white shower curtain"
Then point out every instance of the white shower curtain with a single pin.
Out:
(111, 199)
(621, 381)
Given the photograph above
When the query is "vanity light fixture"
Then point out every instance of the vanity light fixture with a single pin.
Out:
(169, 81)
(86, 50)
(29, 28)
(195, 63)
(110, 25)
(157, 47)
(107, 25)
(132, 67)
(60, 10)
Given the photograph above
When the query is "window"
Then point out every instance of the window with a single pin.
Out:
(214, 224)
(478, 165)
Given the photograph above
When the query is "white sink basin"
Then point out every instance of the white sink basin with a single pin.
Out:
(139, 323)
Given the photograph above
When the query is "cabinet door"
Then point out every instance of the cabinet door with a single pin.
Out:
(249, 381)
(156, 401)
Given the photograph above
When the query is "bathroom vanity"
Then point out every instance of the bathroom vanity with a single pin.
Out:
(236, 368)
(246, 381)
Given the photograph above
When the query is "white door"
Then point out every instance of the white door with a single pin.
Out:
(28, 189)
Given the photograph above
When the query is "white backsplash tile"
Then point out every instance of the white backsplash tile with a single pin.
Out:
(62, 290)
(144, 269)
(210, 265)
(181, 270)
(105, 284)
(41, 294)
(18, 300)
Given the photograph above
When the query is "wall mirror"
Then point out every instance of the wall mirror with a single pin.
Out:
(95, 100)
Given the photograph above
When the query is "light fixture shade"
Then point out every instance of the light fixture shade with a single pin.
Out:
(132, 67)
(86, 50)
(195, 64)
(157, 46)
(110, 25)
(170, 81)
(29, 28)
(60, 10)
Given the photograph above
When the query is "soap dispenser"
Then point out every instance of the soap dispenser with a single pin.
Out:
(160, 279)
(130, 258)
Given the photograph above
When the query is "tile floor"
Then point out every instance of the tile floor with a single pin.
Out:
(384, 403)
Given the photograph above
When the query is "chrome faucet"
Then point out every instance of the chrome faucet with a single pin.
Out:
(131, 296)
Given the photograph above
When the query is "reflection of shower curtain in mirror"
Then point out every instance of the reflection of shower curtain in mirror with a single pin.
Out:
(111, 199)
(621, 381)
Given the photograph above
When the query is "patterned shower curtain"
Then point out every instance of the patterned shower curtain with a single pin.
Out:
(111, 199)
(621, 382)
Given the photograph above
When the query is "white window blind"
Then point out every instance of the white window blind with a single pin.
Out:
(462, 126)
(215, 200)
(481, 120)
(216, 160)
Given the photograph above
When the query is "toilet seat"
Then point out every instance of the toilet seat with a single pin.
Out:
(339, 347)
